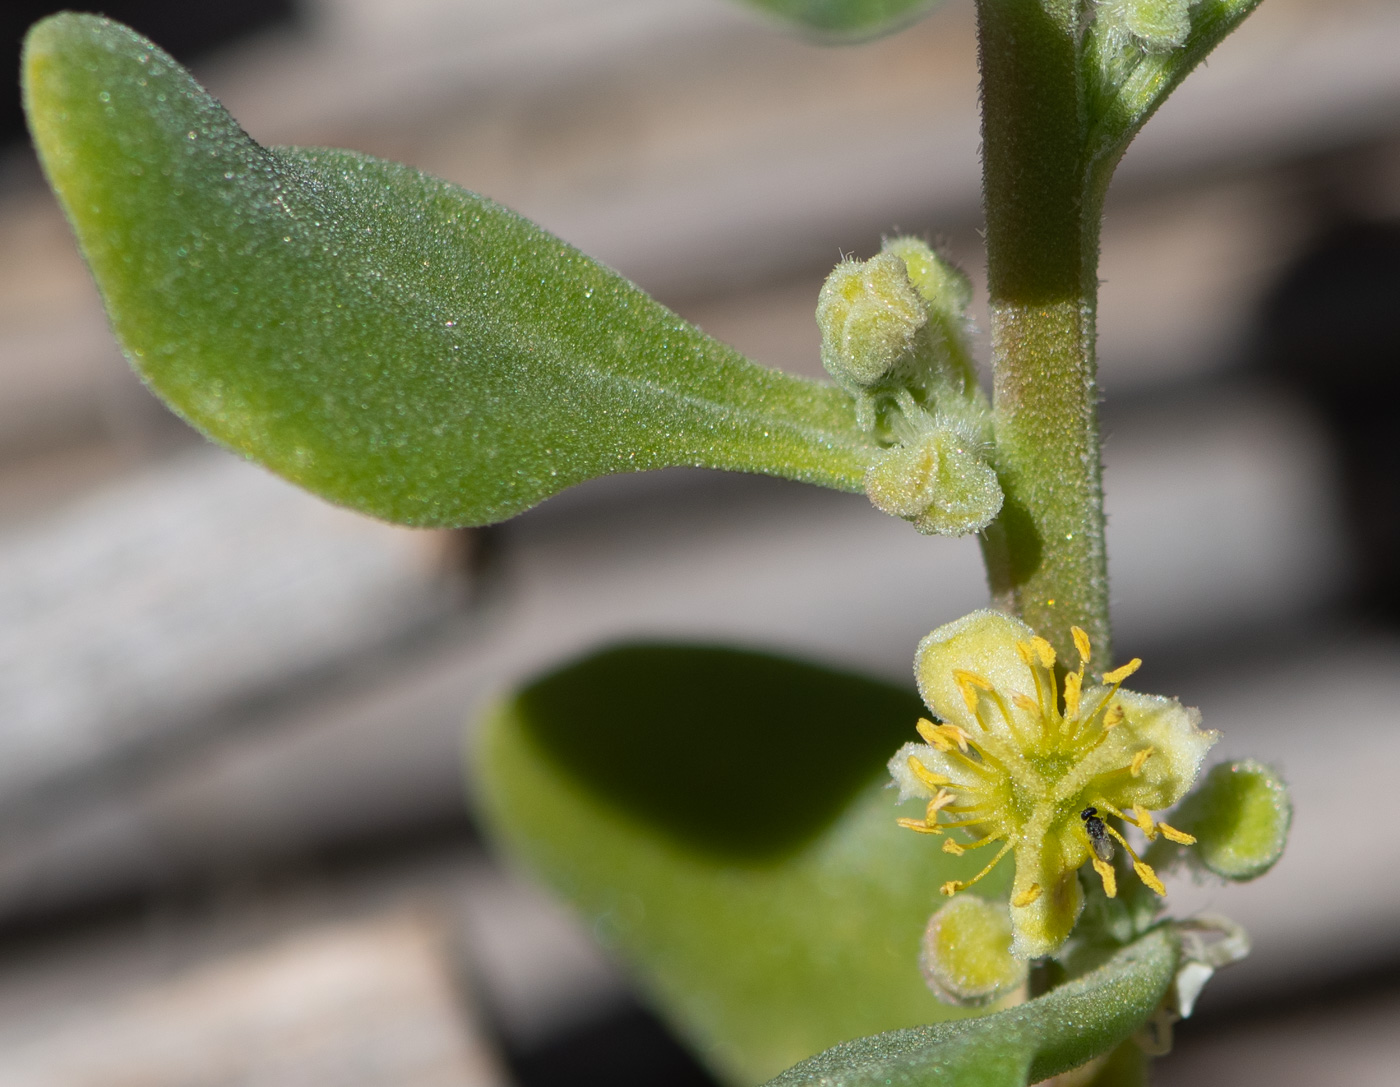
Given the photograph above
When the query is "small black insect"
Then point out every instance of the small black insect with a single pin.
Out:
(1098, 836)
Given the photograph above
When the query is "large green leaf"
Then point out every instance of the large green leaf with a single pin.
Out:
(722, 820)
(848, 19)
(1052, 1034)
(383, 338)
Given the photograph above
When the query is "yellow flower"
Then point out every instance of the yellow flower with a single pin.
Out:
(1017, 760)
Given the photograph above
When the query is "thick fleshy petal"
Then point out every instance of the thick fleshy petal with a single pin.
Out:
(1042, 926)
(1177, 742)
(984, 644)
(936, 762)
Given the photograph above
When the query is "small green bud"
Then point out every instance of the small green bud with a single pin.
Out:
(1158, 24)
(944, 287)
(1239, 817)
(939, 481)
(966, 953)
(869, 313)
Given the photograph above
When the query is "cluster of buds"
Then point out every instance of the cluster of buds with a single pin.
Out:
(895, 336)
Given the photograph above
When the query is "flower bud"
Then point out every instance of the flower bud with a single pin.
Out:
(1239, 817)
(869, 313)
(944, 288)
(1158, 24)
(966, 953)
(938, 481)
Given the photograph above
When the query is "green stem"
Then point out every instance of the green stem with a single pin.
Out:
(1045, 553)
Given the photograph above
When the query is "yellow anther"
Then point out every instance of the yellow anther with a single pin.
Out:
(1118, 675)
(1114, 717)
(1180, 837)
(951, 888)
(950, 846)
(1143, 818)
(925, 775)
(1026, 897)
(1149, 877)
(943, 737)
(1044, 650)
(1109, 877)
(942, 800)
(1081, 643)
(971, 686)
(1026, 702)
(918, 825)
(1139, 760)
(1074, 684)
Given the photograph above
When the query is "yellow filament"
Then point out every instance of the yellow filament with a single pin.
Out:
(1109, 877)
(1118, 675)
(953, 886)
(1081, 643)
(1121, 840)
(1026, 897)
(925, 775)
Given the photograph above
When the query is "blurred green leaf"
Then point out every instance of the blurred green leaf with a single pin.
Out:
(721, 818)
(385, 339)
(1044, 1037)
(848, 19)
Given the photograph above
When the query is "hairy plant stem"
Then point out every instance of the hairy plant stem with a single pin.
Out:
(1045, 552)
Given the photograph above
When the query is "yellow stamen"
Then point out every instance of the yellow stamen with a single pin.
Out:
(941, 800)
(1149, 877)
(1025, 702)
(943, 737)
(1121, 840)
(1135, 767)
(1081, 643)
(1180, 837)
(918, 825)
(953, 886)
(1026, 897)
(1114, 717)
(1109, 877)
(972, 685)
(1074, 683)
(925, 775)
(1143, 818)
(1044, 650)
(950, 846)
(1118, 675)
